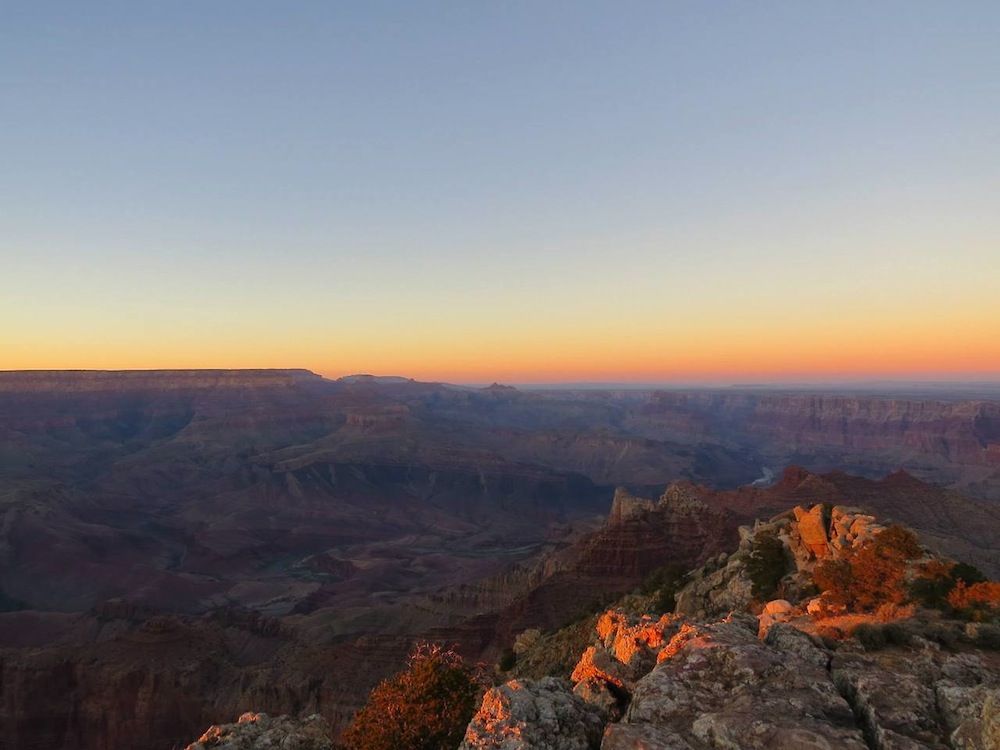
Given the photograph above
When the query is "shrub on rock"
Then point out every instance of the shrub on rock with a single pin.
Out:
(427, 706)
(979, 602)
(767, 565)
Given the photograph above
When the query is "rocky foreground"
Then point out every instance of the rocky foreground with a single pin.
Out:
(673, 684)
(785, 678)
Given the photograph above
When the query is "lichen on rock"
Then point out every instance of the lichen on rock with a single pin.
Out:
(258, 731)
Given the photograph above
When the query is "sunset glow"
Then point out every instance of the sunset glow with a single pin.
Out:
(503, 195)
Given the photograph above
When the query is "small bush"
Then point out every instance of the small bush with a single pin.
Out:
(835, 579)
(427, 706)
(987, 636)
(876, 637)
(896, 635)
(938, 580)
(943, 634)
(871, 637)
(979, 602)
(507, 661)
(899, 542)
(766, 565)
(968, 573)
(665, 582)
(933, 583)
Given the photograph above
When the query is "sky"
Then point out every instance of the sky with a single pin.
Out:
(510, 191)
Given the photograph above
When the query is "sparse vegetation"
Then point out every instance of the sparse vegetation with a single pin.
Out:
(767, 565)
(986, 636)
(427, 706)
(507, 660)
(938, 579)
(979, 602)
(554, 653)
(878, 636)
(663, 584)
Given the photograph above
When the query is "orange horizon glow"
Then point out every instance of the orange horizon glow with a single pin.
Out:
(961, 349)
(756, 196)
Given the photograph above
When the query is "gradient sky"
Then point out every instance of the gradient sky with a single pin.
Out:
(516, 191)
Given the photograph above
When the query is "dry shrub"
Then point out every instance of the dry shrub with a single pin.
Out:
(979, 602)
(891, 612)
(767, 564)
(427, 706)
(872, 574)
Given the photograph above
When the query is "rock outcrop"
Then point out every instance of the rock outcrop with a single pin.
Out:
(531, 715)
(719, 586)
(626, 505)
(922, 698)
(258, 731)
(691, 680)
(668, 683)
(721, 687)
(808, 535)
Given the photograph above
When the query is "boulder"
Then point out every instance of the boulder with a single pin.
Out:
(991, 722)
(599, 694)
(719, 686)
(776, 610)
(534, 715)
(598, 663)
(716, 593)
(811, 528)
(629, 645)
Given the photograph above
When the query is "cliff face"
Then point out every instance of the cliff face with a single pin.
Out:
(957, 441)
(113, 682)
(638, 537)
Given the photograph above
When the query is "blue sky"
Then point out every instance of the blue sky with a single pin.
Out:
(419, 185)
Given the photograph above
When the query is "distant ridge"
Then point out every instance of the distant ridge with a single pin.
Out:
(38, 381)
(377, 379)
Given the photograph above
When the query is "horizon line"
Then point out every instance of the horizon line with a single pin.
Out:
(927, 381)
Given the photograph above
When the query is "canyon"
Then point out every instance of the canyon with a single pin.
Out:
(179, 547)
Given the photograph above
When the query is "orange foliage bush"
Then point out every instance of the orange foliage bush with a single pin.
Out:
(872, 574)
(427, 706)
(980, 601)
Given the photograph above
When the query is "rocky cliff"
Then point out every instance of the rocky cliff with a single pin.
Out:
(713, 675)
(719, 686)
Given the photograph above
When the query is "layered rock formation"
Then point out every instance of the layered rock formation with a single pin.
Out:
(949, 441)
